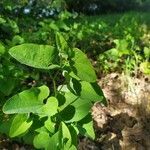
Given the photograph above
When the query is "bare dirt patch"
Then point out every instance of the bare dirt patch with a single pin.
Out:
(125, 123)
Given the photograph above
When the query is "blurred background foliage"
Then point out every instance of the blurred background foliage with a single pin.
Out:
(94, 26)
(47, 8)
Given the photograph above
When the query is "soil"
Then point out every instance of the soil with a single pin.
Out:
(7, 144)
(125, 123)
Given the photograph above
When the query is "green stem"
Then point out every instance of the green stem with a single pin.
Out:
(54, 84)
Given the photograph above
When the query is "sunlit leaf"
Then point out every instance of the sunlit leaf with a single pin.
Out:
(51, 106)
(54, 142)
(85, 127)
(66, 136)
(145, 67)
(41, 140)
(20, 125)
(34, 55)
(82, 67)
(50, 126)
(27, 101)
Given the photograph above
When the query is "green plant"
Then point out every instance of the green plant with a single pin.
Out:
(52, 119)
(145, 66)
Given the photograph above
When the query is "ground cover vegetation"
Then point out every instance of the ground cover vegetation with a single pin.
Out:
(50, 60)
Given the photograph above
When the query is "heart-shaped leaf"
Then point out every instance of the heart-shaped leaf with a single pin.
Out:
(34, 55)
(88, 91)
(91, 92)
(85, 126)
(78, 101)
(78, 108)
(27, 101)
(20, 125)
(82, 108)
(50, 126)
(41, 140)
(82, 67)
(51, 106)
(54, 142)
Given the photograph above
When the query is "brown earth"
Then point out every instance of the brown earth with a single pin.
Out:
(125, 123)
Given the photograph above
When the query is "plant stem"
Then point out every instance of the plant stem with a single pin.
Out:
(54, 84)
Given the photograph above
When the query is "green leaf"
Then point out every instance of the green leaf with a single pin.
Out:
(44, 92)
(147, 52)
(112, 54)
(89, 129)
(27, 101)
(61, 43)
(79, 104)
(88, 91)
(53, 26)
(145, 67)
(50, 126)
(74, 135)
(13, 25)
(38, 56)
(51, 106)
(82, 67)
(41, 140)
(54, 142)
(91, 92)
(20, 125)
(122, 47)
(17, 40)
(29, 137)
(2, 49)
(73, 75)
(82, 108)
(66, 136)
(2, 21)
(85, 127)
(62, 46)
(69, 98)
(75, 86)
(62, 25)
(78, 108)
(72, 148)
(41, 129)
(78, 101)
